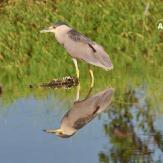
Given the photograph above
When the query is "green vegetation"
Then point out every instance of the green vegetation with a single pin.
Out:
(127, 30)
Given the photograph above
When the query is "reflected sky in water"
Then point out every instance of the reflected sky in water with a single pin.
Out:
(127, 131)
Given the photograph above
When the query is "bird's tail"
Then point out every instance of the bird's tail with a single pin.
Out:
(103, 58)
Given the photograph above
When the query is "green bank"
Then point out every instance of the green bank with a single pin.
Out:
(127, 30)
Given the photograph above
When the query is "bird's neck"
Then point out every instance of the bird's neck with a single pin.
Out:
(68, 130)
(60, 33)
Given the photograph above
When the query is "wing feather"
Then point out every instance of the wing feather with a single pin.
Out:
(76, 36)
(90, 52)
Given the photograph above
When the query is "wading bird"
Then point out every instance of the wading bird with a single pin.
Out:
(80, 47)
(82, 112)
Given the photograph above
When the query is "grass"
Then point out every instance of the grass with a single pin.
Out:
(127, 30)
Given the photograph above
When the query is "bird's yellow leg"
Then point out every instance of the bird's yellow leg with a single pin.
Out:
(92, 77)
(78, 92)
(89, 93)
(76, 67)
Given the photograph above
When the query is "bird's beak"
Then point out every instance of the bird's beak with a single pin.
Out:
(54, 131)
(50, 131)
(50, 29)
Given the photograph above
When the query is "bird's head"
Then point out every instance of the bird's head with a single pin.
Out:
(53, 28)
(59, 132)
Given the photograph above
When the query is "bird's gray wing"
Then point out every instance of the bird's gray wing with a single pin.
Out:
(76, 36)
(78, 122)
(82, 112)
(84, 120)
(96, 56)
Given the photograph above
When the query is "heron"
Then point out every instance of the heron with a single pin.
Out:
(82, 112)
(80, 47)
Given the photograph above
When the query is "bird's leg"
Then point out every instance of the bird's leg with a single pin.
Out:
(78, 92)
(76, 67)
(89, 93)
(92, 76)
(77, 74)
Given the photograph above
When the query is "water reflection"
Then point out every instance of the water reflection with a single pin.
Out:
(82, 112)
(132, 132)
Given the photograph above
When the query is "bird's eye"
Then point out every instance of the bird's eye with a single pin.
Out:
(60, 133)
(54, 27)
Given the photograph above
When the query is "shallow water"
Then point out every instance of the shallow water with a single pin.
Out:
(127, 131)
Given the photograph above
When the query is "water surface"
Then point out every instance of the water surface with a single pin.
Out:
(128, 130)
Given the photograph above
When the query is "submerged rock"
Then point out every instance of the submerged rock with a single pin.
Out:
(66, 82)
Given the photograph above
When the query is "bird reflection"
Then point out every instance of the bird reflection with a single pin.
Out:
(82, 112)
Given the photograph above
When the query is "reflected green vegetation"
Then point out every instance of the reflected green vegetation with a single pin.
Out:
(132, 131)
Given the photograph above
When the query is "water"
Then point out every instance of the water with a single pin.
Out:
(126, 131)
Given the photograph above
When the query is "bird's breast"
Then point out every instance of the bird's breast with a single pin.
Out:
(59, 37)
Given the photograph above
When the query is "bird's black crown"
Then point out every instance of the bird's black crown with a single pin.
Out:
(57, 24)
